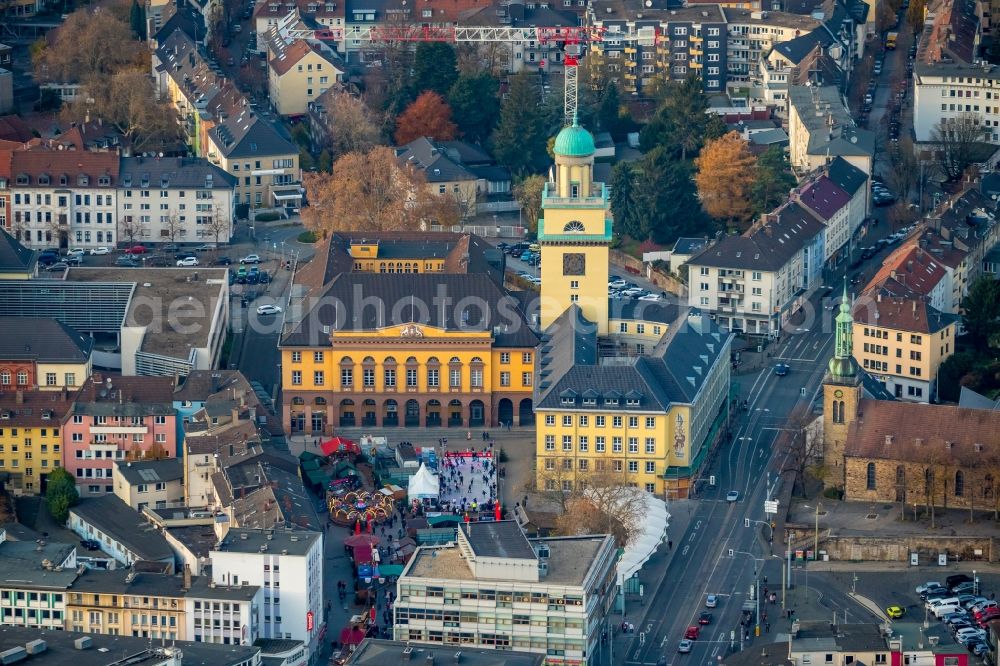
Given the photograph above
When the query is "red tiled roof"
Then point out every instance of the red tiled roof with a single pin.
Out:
(35, 408)
(12, 128)
(911, 267)
(917, 432)
(142, 390)
(903, 313)
(72, 163)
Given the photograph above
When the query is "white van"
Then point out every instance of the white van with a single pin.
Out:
(945, 609)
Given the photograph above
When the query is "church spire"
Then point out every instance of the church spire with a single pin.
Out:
(842, 363)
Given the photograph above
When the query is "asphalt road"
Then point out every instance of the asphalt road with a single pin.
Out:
(748, 465)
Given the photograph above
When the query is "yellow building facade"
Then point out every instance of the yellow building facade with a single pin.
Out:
(122, 603)
(604, 403)
(31, 437)
(902, 342)
(407, 330)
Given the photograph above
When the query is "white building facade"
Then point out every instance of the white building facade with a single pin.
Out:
(288, 567)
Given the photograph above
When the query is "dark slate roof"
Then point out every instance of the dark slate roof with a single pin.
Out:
(123, 524)
(620, 308)
(824, 197)
(503, 538)
(14, 257)
(248, 135)
(766, 246)
(847, 176)
(433, 161)
(359, 302)
(174, 172)
(769, 137)
(42, 339)
(798, 48)
(150, 471)
(466, 153)
(571, 370)
(691, 245)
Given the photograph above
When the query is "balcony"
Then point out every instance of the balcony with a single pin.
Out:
(695, 65)
(118, 429)
(630, 64)
(630, 50)
(696, 52)
(597, 201)
(696, 39)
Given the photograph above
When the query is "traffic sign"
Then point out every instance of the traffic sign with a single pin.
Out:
(770, 506)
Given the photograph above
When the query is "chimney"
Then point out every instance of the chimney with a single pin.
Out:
(236, 414)
(187, 576)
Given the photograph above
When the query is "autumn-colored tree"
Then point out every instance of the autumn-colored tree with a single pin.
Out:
(724, 178)
(349, 126)
(80, 50)
(373, 192)
(428, 116)
(528, 193)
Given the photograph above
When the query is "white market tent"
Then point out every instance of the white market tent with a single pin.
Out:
(423, 485)
(644, 536)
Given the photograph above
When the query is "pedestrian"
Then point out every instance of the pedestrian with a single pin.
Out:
(767, 627)
(670, 545)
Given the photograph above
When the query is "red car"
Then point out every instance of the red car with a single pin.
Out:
(987, 614)
(692, 633)
(136, 249)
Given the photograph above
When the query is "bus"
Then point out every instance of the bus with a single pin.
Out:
(890, 41)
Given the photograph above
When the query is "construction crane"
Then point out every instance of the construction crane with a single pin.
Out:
(572, 39)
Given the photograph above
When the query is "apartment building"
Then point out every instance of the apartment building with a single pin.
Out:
(42, 354)
(268, 558)
(902, 342)
(122, 532)
(298, 72)
(911, 270)
(752, 34)
(153, 483)
(495, 589)
(128, 603)
(117, 418)
(950, 80)
(31, 438)
(820, 127)
(224, 614)
(64, 199)
(755, 281)
(832, 205)
(444, 174)
(36, 579)
(174, 199)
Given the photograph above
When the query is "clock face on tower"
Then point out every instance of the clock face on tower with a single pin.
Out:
(574, 264)
(838, 394)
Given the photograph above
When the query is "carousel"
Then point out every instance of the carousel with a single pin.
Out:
(360, 505)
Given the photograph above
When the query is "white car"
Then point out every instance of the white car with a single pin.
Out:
(651, 297)
(711, 601)
(617, 284)
(634, 291)
(732, 495)
(268, 309)
(100, 250)
(76, 252)
(188, 261)
(250, 259)
(928, 585)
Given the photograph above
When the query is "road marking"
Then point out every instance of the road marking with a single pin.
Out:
(685, 551)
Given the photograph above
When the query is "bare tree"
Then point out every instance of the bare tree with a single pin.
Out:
(129, 228)
(219, 225)
(904, 171)
(170, 226)
(492, 57)
(348, 126)
(955, 140)
(802, 446)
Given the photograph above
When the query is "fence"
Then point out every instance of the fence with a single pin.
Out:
(486, 231)
(497, 207)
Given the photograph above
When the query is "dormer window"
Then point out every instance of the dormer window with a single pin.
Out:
(104, 181)
(632, 402)
(43, 179)
(590, 401)
(611, 401)
(64, 180)
(127, 180)
(567, 400)
(83, 180)
(22, 179)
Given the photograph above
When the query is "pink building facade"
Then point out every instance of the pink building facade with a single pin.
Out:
(117, 418)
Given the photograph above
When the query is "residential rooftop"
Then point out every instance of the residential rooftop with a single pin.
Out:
(30, 565)
(832, 130)
(43, 340)
(79, 649)
(378, 652)
(278, 540)
(119, 522)
(137, 472)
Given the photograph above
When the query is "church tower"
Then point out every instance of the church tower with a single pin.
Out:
(841, 394)
(574, 233)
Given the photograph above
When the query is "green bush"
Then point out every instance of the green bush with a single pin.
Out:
(307, 237)
(266, 217)
(833, 493)
(60, 494)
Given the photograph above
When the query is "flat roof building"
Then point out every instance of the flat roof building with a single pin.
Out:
(568, 581)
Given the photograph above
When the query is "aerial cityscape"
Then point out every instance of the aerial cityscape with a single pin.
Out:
(501, 332)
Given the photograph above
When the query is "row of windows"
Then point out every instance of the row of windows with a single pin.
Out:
(883, 366)
(600, 444)
(319, 356)
(411, 378)
(566, 485)
(956, 487)
(884, 351)
(600, 421)
(639, 328)
(584, 465)
(881, 334)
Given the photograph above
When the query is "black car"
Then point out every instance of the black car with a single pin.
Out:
(47, 259)
(90, 544)
(263, 277)
(222, 261)
(957, 579)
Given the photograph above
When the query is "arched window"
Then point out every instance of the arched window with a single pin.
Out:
(959, 483)
(573, 227)
(22, 378)
(838, 411)
(5, 378)
(871, 476)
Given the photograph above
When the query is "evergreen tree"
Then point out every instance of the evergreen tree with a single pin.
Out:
(60, 494)
(519, 139)
(137, 20)
(772, 180)
(623, 207)
(981, 310)
(681, 124)
(474, 105)
(665, 199)
(435, 68)
(608, 112)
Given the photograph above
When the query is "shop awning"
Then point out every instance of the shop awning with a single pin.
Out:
(391, 569)
(287, 195)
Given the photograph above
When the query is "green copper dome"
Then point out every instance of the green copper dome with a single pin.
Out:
(574, 141)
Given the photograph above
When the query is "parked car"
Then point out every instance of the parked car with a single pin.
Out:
(188, 261)
(100, 250)
(57, 266)
(205, 247)
(222, 261)
(76, 252)
(184, 255)
(136, 249)
(90, 544)
(126, 262)
(895, 612)
(250, 259)
(268, 309)
(73, 259)
(616, 283)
